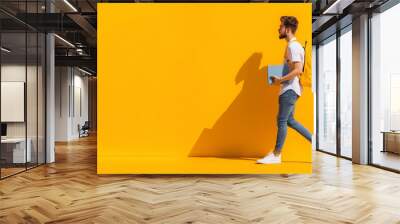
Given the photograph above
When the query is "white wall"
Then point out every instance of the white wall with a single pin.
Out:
(71, 87)
(62, 78)
(80, 84)
(12, 73)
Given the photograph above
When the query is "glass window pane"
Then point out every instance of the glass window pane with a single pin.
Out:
(14, 153)
(385, 89)
(346, 93)
(327, 96)
(22, 89)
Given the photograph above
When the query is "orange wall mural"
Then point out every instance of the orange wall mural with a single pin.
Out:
(182, 88)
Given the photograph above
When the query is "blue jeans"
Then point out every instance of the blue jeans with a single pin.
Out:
(287, 103)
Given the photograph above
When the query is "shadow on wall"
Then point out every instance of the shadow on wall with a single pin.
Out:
(248, 127)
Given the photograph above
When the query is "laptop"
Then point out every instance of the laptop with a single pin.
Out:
(277, 70)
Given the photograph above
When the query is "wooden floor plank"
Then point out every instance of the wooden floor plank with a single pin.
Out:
(70, 191)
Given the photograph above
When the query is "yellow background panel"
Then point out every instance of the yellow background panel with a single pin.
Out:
(182, 86)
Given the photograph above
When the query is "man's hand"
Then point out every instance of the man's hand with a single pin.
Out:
(276, 80)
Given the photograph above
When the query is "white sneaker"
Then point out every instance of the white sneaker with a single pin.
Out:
(270, 159)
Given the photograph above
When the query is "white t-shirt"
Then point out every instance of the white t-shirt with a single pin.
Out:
(294, 53)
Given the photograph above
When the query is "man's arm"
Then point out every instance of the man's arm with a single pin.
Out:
(298, 68)
(295, 55)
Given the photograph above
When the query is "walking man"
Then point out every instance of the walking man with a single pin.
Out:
(290, 89)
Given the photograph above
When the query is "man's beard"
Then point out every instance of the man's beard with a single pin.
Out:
(282, 36)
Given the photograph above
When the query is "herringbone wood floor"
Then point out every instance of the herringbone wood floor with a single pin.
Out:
(70, 191)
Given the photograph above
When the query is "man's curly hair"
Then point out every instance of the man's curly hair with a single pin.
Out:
(290, 22)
